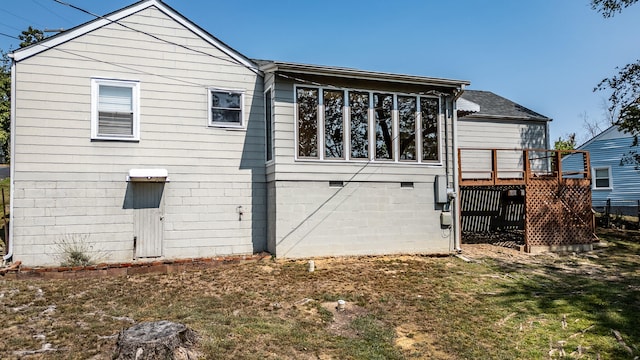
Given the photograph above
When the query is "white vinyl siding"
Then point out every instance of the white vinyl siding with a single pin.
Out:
(115, 109)
(66, 184)
(511, 135)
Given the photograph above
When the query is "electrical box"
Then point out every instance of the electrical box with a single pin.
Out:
(445, 219)
(440, 187)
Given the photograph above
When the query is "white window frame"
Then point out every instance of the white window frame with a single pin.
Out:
(271, 121)
(210, 121)
(441, 111)
(372, 127)
(134, 85)
(593, 182)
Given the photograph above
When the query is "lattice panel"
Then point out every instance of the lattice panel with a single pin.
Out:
(558, 213)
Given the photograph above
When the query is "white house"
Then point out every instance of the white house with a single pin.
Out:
(148, 137)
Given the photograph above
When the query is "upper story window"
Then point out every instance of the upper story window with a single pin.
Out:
(602, 178)
(115, 110)
(225, 108)
(366, 126)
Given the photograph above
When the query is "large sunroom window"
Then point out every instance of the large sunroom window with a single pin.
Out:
(358, 125)
(307, 100)
(359, 117)
(333, 124)
(429, 109)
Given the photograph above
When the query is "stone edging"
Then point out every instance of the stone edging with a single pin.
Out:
(166, 266)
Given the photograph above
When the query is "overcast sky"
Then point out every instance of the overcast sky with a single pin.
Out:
(546, 55)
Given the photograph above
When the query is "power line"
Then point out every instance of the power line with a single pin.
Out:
(52, 12)
(11, 27)
(9, 36)
(231, 60)
(139, 71)
(20, 17)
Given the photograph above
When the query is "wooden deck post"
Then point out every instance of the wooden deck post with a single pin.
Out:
(587, 162)
(557, 157)
(527, 166)
(494, 166)
(459, 166)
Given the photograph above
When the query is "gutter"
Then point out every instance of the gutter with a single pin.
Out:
(350, 73)
(12, 170)
(455, 196)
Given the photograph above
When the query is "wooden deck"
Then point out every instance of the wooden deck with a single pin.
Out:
(557, 211)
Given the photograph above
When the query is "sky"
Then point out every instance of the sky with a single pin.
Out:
(546, 55)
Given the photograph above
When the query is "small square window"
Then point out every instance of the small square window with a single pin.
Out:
(602, 178)
(115, 110)
(225, 108)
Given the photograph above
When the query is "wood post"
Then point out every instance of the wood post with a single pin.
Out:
(494, 166)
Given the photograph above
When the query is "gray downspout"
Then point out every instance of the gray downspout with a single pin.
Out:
(12, 170)
(456, 196)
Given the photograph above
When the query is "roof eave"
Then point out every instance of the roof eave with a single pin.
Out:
(360, 74)
(506, 117)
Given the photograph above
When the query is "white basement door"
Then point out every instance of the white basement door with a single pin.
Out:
(148, 215)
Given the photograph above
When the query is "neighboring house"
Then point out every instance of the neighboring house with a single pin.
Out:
(489, 121)
(613, 179)
(147, 136)
(508, 125)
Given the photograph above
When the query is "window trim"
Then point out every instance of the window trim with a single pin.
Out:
(324, 123)
(211, 123)
(372, 128)
(594, 180)
(134, 85)
(271, 120)
(296, 128)
(441, 110)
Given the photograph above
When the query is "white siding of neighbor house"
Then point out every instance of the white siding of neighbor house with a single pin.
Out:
(67, 185)
(500, 134)
(371, 214)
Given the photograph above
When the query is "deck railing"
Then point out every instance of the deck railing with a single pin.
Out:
(488, 167)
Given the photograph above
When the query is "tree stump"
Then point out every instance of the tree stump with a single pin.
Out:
(156, 340)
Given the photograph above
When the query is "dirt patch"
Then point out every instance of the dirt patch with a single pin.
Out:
(342, 318)
(413, 340)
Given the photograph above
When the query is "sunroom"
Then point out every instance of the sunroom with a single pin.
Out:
(352, 160)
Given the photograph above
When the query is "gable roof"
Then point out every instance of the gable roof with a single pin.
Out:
(116, 16)
(493, 106)
(612, 132)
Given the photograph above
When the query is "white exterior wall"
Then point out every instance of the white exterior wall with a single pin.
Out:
(500, 134)
(66, 184)
(371, 214)
(506, 134)
(362, 218)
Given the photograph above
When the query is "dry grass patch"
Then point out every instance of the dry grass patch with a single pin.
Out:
(501, 305)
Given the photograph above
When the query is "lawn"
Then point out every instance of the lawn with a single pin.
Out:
(500, 305)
